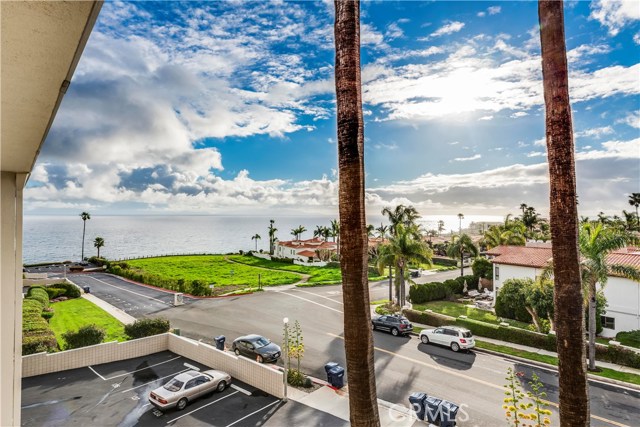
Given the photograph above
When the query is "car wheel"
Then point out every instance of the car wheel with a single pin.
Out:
(182, 403)
(373, 327)
(394, 332)
(424, 339)
(237, 352)
(455, 346)
(222, 385)
(259, 359)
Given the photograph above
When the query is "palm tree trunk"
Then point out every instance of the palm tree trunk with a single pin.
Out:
(592, 326)
(390, 285)
(563, 213)
(84, 226)
(358, 338)
(461, 263)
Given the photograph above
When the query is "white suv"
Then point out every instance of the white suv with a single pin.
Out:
(452, 336)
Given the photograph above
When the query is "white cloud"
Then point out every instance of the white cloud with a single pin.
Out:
(519, 114)
(542, 142)
(613, 149)
(636, 38)
(454, 143)
(450, 28)
(481, 14)
(494, 10)
(486, 118)
(581, 52)
(536, 153)
(394, 31)
(594, 133)
(615, 14)
(467, 159)
(632, 119)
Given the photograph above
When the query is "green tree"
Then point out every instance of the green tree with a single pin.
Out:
(98, 243)
(335, 233)
(256, 237)
(358, 338)
(370, 229)
(634, 200)
(297, 232)
(510, 233)
(272, 236)
(440, 227)
(563, 217)
(403, 248)
(460, 245)
(539, 302)
(401, 214)
(382, 231)
(85, 216)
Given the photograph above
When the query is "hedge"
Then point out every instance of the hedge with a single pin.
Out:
(83, 337)
(63, 289)
(618, 355)
(419, 294)
(629, 338)
(38, 293)
(444, 261)
(428, 318)
(37, 336)
(147, 327)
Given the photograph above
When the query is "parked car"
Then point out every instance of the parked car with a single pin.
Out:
(256, 347)
(187, 386)
(397, 325)
(452, 336)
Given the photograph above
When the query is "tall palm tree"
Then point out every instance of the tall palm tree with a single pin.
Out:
(440, 227)
(634, 200)
(382, 231)
(460, 218)
(401, 214)
(85, 216)
(530, 219)
(459, 245)
(596, 242)
(523, 208)
(358, 339)
(256, 237)
(272, 236)
(98, 243)
(335, 232)
(403, 248)
(319, 231)
(370, 229)
(512, 234)
(563, 215)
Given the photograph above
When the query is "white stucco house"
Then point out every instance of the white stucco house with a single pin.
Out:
(623, 295)
(304, 250)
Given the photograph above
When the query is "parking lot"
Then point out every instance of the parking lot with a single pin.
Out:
(117, 394)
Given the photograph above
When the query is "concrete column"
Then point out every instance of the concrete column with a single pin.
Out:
(11, 187)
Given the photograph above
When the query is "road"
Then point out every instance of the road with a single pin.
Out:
(403, 365)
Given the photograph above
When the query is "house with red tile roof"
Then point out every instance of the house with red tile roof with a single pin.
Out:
(623, 295)
(310, 250)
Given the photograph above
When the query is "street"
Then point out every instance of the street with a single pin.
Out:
(403, 365)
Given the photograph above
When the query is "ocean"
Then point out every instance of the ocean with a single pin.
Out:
(59, 238)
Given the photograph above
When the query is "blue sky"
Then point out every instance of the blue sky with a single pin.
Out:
(229, 107)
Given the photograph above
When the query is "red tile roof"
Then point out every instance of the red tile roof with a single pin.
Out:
(309, 254)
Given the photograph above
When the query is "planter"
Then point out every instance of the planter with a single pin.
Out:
(487, 283)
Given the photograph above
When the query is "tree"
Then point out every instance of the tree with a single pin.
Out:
(272, 236)
(85, 216)
(297, 232)
(539, 302)
(459, 245)
(335, 233)
(401, 214)
(319, 231)
(382, 231)
(530, 219)
(563, 216)
(256, 237)
(460, 218)
(511, 233)
(634, 200)
(403, 248)
(596, 242)
(358, 338)
(370, 229)
(440, 227)
(98, 243)
(523, 208)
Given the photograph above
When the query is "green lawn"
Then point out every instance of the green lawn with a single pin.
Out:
(455, 309)
(72, 314)
(212, 269)
(551, 360)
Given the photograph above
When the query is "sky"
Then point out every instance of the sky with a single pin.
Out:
(229, 108)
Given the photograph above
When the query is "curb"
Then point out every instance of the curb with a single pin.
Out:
(591, 377)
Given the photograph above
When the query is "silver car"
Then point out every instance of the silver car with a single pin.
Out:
(187, 386)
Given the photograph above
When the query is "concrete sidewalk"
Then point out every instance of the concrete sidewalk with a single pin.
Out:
(114, 311)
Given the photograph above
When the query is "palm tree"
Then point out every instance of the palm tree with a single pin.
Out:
(382, 231)
(98, 243)
(563, 215)
(85, 216)
(358, 339)
(440, 227)
(319, 231)
(401, 214)
(596, 242)
(272, 236)
(459, 245)
(370, 229)
(432, 234)
(335, 232)
(634, 200)
(460, 218)
(297, 232)
(523, 208)
(530, 219)
(403, 248)
(513, 233)
(256, 237)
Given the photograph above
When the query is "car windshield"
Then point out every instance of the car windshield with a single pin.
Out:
(174, 385)
(261, 342)
(404, 322)
(466, 334)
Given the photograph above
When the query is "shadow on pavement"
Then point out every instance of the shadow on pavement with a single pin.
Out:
(461, 360)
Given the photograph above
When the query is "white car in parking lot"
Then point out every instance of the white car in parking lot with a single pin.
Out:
(454, 337)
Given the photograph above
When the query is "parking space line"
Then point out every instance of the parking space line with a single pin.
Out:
(241, 390)
(253, 413)
(150, 382)
(312, 302)
(94, 371)
(127, 290)
(142, 369)
(321, 296)
(204, 406)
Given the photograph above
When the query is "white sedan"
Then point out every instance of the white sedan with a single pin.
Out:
(451, 336)
(187, 386)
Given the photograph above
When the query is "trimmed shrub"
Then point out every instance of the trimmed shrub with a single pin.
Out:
(38, 293)
(54, 292)
(428, 318)
(444, 261)
(284, 260)
(63, 290)
(199, 288)
(630, 338)
(454, 286)
(98, 261)
(37, 336)
(618, 355)
(83, 337)
(47, 313)
(511, 300)
(419, 294)
(471, 279)
(147, 327)
(482, 268)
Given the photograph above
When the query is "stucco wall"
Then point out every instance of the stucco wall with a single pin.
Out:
(623, 299)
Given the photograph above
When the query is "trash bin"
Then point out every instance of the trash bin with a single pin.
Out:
(448, 412)
(329, 366)
(417, 404)
(432, 408)
(336, 376)
(220, 342)
(87, 289)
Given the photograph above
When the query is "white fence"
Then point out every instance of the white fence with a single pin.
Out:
(263, 256)
(310, 264)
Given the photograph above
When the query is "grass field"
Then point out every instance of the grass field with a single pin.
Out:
(212, 269)
(72, 314)
(455, 309)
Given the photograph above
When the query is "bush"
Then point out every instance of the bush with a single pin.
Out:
(471, 279)
(618, 355)
(482, 268)
(38, 293)
(199, 288)
(511, 300)
(47, 313)
(83, 337)
(388, 308)
(444, 261)
(419, 294)
(631, 338)
(37, 336)
(54, 292)
(147, 327)
(63, 289)
(284, 260)
(428, 318)
(98, 261)
(454, 286)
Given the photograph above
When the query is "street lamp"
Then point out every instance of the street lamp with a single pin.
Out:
(286, 349)
(460, 217)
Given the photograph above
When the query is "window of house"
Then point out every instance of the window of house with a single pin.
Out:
(496, 274)
(608, 322)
